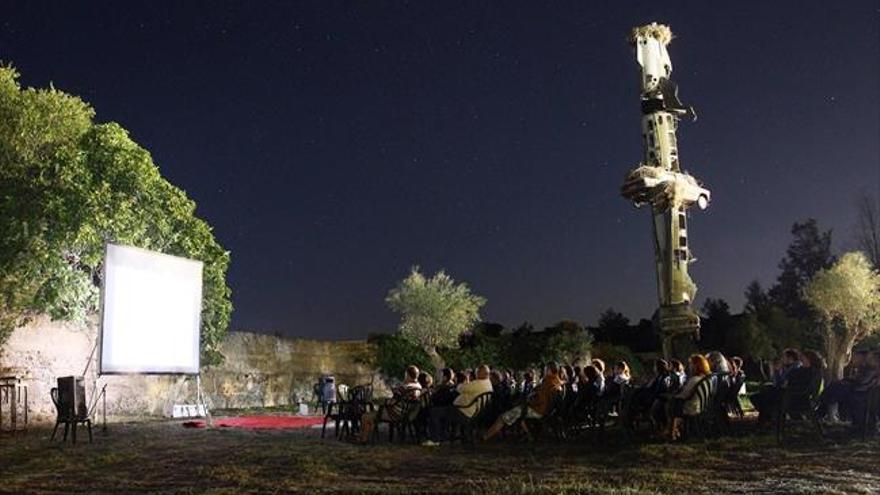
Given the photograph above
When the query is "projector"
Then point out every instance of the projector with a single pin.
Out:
(188, 411)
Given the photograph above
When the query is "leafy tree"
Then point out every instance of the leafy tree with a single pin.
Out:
(785, 331)
(394, 353)
(612, 319)
(645, 337)
(615, 328)
(808, 253)
(748, 337)
(847, 298)
(480, 332)
(434, 311)
(485, 344)
(611, 353)
(566, 341)
(488, 351)
(525, 347)
(757, 300)
(868, 229)
(776, 326)
(716, 323)
(611, 322)
(68, 185)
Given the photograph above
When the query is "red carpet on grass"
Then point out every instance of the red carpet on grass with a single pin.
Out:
(261, 422)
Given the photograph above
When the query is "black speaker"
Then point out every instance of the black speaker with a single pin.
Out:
(72, 396)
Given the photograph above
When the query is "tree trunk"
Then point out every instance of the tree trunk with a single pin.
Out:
(436, 359)
(837, 351)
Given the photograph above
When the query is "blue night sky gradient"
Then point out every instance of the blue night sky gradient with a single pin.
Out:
(334, 144)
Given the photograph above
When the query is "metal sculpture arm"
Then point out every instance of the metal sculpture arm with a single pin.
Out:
(660, 182)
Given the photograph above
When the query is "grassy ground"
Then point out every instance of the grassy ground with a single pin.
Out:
(163, 457)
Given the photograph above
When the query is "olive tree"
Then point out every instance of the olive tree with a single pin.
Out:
(868, 228)
(69, 185)
(847, 298)
(434, 311)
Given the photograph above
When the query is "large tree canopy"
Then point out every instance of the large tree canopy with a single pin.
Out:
(68, 185)
(847, 298)
(434, 311)
(809, 252)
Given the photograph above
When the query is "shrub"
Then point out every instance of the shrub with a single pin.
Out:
(394, 353)
(612, 353)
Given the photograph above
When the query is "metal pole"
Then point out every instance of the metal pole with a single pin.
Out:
(89, 361)
(104, 413)
(200, 400)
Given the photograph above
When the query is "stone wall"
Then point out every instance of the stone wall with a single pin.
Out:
(259, 371)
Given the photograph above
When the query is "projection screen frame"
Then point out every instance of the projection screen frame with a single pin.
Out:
(100, 340)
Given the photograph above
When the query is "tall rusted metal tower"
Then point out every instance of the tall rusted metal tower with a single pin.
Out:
(660, 181)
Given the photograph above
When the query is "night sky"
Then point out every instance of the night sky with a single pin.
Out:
(332, 145)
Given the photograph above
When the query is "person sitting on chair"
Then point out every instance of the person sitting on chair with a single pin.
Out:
(444, 392)
(620, 377)
(808, 375)
(645, 396)
(737, 374)
(502, 396)
(443, 419)
(426, 381)
(535, 408)
(677, 375)
(851, 391)
(767, 400)
(528, 383)
(719, 364)
(686, 402)
(590, 388)
(409, 390)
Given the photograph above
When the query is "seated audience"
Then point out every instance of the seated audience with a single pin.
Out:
(620, 377)
(409, 390)
(444, 392)
(767, 401)
(517, 378)
(593, 387)
(856, 362)
(567, 374)
(851, 392)
(718, 363)
(686, 402)
(600, 367)
(776, 371)
(507, 378)
(426, 381)
(737, 374)
(443, 419)
(802, 382)
(645, 397)
(720, 367)
(677, 376)
(809, 375)
(535, 408)
(502, 394)
(528, 384)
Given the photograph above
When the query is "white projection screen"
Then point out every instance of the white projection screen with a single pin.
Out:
(151, 313)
